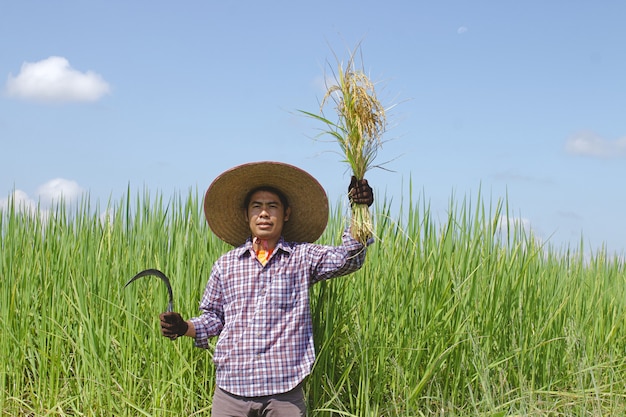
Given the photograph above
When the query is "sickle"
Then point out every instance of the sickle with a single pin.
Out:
(156, 272)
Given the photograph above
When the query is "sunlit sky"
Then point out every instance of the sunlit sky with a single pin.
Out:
(522, 101)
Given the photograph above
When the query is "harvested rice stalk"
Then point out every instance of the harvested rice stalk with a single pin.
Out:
(358, 130)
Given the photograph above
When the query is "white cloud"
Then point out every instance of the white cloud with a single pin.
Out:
(461, 30)
(51, 192)
(519, 228)
(512, 224)
(591, 144)
(57, 189)
(54, 80)
(20, 200)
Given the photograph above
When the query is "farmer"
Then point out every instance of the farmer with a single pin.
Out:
(257, 296)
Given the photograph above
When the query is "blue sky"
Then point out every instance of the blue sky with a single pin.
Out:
(520, 100)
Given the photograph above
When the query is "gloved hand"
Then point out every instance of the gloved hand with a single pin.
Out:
(359, 192)
(173, 325)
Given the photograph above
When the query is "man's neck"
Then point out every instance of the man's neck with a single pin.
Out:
(262, 244)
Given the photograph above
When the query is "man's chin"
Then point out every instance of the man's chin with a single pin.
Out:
(264, 234)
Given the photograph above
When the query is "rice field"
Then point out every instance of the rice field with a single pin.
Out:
(462, 316)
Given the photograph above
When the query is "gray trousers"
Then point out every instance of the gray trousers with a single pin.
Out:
(288, 404)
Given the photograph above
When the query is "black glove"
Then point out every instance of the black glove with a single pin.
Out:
(359, 192)
(173, 325)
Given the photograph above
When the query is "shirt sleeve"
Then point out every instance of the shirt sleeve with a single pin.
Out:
(211, 320)
(339, 260)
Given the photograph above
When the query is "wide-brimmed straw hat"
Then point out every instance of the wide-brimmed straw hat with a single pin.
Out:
(224, 201)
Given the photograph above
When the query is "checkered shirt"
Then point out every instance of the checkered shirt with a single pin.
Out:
(262, 313)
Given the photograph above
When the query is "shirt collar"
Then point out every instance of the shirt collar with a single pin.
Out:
(246, 248)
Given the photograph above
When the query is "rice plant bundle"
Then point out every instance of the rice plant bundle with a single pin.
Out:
(358, 130)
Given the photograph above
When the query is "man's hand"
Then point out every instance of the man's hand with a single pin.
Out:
(359, 192)
(173, 325)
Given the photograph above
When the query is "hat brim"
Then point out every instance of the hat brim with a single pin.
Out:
(224, 201)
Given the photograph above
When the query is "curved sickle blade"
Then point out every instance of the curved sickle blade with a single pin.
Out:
(165, 279)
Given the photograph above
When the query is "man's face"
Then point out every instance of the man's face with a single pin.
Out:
(266, 216)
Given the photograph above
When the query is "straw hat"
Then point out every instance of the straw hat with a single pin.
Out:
(224, 201)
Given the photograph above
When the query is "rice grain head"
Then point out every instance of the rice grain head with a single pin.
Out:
(361, 117)
(359, 129)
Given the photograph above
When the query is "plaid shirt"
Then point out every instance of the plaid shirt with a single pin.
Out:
(262, 313)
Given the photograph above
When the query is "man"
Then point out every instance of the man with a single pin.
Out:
(257, 296)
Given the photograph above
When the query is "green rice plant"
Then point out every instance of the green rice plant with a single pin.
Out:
(461, 313)
(468, 318)
(361, 122)
(76, 343)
